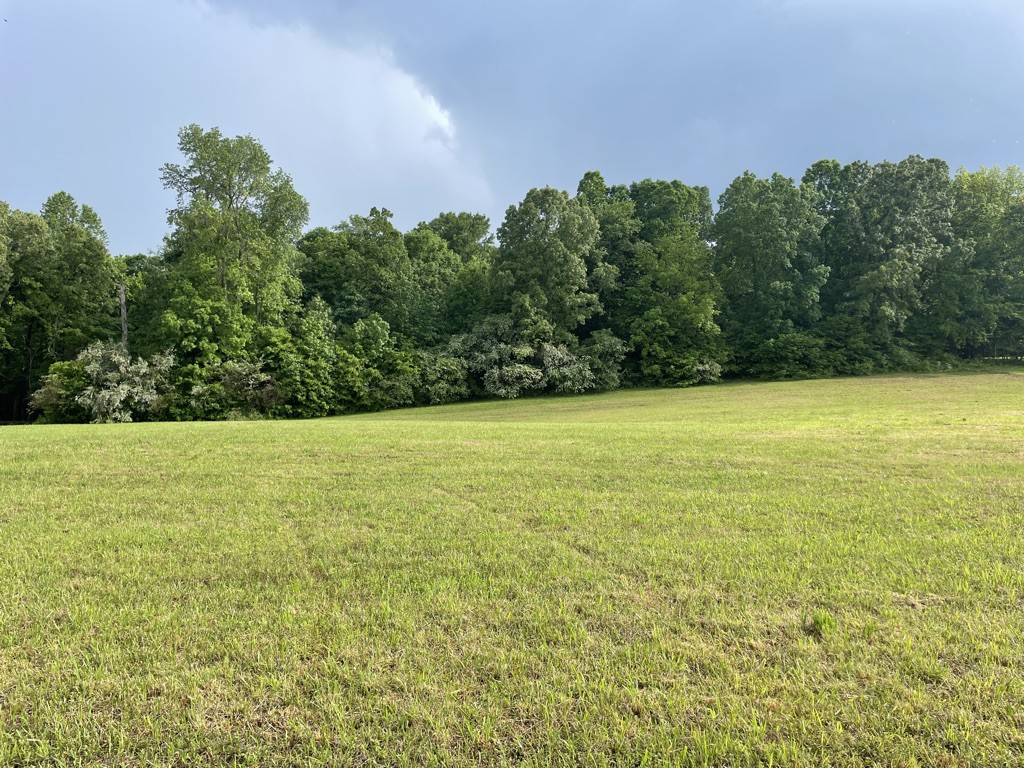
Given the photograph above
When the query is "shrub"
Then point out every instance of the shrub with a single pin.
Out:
(105, 384)
(564, 371)
(793, 355)
(504, 362)
(604, 353)
(706, 372)
(56, 400)
(383, 375)
(511, 380)
(443, 378)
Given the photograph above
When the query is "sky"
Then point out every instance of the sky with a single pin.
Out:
(466, 104)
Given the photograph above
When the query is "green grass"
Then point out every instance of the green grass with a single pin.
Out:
(811, 573)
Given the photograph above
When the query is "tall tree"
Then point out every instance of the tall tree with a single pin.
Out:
(359, 268)
(668, 208)
(612, 262)
(58, 294)
(231, 254)
(467, 234)
(766, 259)
(435, 269)
(467, 296)
(888, 228)
(541, 264)
(6, 273)
(662, 298)
(989, 299)
(673, 303)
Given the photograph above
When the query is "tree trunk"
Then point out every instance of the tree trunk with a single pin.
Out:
(124, 314)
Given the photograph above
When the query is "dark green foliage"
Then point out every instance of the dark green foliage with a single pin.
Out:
(466, 234)
(435, 270)
(673, 305)
(468, 298)
(245, 390)
(231, 278)
(987, 283)
(443, 378)
(540, 269)
(56, 400)
(670, 208)
(360, 268)
(460, 291)
(309, 379)
(564, 371)
(498, 360)
(893, 256)
(146, 289)
(503, 360)
(658, 289)
(381, 374)
(604, 353)
(793, 355)
(767, 262)
(57, 294)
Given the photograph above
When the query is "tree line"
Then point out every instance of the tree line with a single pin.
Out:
(854, 269)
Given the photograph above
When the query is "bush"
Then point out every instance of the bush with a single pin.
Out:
(117, 388)
(498, 361)
(503, 362)
(706, 372)
(56, 401)
(443, 379)
(564, 371)
(793, 356)
(512, 379)
(603, 353)
(378, 372)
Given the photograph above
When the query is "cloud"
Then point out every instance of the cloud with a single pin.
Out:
(104, 87)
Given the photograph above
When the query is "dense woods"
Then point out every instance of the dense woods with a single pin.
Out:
(853, 269)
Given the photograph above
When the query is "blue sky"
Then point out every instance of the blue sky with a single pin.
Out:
(464, 105)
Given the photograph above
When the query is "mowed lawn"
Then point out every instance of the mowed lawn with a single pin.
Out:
(806, 573)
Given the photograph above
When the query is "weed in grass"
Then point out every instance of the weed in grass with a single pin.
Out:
(822, 624)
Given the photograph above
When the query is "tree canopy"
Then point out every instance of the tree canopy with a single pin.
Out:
(242, 312)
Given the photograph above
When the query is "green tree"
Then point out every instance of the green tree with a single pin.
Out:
(146, 280)
(540, 268)
(232, 282)
(231, 255)
(6, 273)
(767, 262)
(667, 208)
(888, 233)
(435, 268)
(673, 302)
(58, 295)
(611, 263)
(467, 234)
(662, 294)
(982, 310)
(360, 268)
(381, 372)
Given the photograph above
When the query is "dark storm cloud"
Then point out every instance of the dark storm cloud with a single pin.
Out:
(533, 93)
(703, 91)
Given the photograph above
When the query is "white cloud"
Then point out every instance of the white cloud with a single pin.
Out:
(105, 86)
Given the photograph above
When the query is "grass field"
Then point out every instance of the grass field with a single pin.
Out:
(809, 573)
